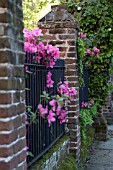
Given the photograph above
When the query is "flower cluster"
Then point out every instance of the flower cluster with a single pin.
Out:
(56, 104)
(94, 52)
(88, 104)
(31, 37)
(64, 89)
(82, 35)
(49, 81)
(45, 54)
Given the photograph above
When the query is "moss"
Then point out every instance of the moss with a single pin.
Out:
(39, 164)
(85, 145)
(68, 164)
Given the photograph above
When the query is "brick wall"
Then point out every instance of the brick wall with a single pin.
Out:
(12, 97)
(60, 29)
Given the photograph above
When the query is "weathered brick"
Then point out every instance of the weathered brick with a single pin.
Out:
(49, 37)
(71, 43)
(8, 138)
(57, 31)
(6, 126)
(5, 98)
(71, 55)
(67, 36)
(8, 112)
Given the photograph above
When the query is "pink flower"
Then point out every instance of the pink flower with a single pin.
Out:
(92, 53)
(96, 50)
(72, 92)
(88, 105)
(38, 58)
(27, 150)
(50, 82)
(92, 101)
(37, 32)
(88, 51)
(26, 122)
(62, 116)
(84, 104)
(43, 111)
(50, 117)
(58, 110)
(82, 35)
(52, 102)
(26, 32)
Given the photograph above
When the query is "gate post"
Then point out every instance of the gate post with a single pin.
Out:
(12, 98)
(60, 29)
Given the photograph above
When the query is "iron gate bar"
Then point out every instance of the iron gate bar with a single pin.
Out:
(40, 137)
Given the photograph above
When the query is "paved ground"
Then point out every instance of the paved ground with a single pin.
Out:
(102, 156)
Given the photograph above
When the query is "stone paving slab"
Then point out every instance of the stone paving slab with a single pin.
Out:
(99, 167)
(102, 157)
(110, 127)
(104, 145)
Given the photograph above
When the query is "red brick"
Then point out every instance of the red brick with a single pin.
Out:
(73, 120)
(8, 138)
(5, 98)
(71, 43)
(71, 55)
(6, 126)
(8, 112)
(70, 73)
(49, 37)
(67, 36)
(57, 31)
(70, 61)
(44, 31)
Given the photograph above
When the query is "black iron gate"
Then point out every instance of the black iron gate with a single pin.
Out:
(40, 137)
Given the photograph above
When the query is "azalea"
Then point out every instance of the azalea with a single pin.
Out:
(62, 116)
(88, 51)
(37, 32)
(92, 101)
(96, 49)
(50, 117)
(43, 111)
(84, 104)
(50, 82)
(82, 35)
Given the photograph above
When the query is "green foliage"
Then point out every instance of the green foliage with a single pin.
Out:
(31, 9)
(68, 164)
(86, 118)
(96, 20)
(86, 146)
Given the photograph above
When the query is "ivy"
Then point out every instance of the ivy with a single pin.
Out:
(87, 113)
(96, 21)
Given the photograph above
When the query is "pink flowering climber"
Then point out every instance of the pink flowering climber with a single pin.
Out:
(72, 92)
(43, 111)
(50, 117)
(88, 51)
(50, 82)
(84, 104)
(82, 35)
(37, 32)
(58, 110)
(62, 116)
(96, 49)
(53, 104)
(92, 101)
